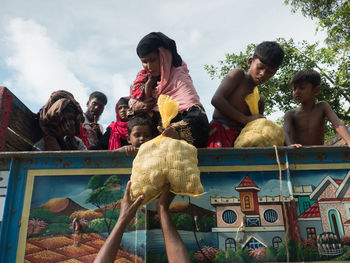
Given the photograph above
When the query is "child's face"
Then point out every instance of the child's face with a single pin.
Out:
(139, 135)
(303, 91)
(122, 112)
(151, 63)
(260, 72)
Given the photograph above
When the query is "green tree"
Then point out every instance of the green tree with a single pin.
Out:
(333, 17)
(182, 221)
(206, 223)
(230, 255)
(271, 254)
(277, 91)
(95, 182)
(220, 257)
(294, 249)
(104, 196)
(242, 255)
(329, 62)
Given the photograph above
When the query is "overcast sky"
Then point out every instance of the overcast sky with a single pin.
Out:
(85, 45)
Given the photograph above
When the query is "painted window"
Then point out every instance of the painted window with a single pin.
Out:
(229, 216)
(253, 221)
(253, 243)
(306, 205)
(246, 202)
(270, 215)
(311, 232)
(230, 243)
(335, 222)
(276, 242)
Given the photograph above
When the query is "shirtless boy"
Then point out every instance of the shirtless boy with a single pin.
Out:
(305, 125)
(231, 112)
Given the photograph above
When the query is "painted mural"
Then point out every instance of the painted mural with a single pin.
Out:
(241, 217)
(71, 216)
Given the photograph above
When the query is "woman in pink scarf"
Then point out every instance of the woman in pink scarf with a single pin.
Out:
(164, 72)
(116, 134)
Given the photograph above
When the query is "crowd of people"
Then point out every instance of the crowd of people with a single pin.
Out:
(65, 127)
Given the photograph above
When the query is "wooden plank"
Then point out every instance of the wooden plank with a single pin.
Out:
(19, 128)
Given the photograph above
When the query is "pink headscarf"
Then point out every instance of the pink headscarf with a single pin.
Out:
(175, 82)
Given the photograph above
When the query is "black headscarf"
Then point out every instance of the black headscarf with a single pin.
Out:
(123, 101)
(155, 40)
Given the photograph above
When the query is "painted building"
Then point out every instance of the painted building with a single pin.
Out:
(249, 220)
(330, 211)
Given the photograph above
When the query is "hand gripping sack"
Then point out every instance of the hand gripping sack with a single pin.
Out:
(165, 159)
(260, 132)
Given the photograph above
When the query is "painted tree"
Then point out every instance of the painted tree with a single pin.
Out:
(105, 195)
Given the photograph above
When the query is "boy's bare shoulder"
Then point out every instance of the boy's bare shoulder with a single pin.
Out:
(290, 113)
(236, 73)
(322, 104)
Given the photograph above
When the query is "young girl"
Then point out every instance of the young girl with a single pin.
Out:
(164, 72)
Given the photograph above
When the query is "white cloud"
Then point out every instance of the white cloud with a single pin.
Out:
(87, 46)
(41, 67)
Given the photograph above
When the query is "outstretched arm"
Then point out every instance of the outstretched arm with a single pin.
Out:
(175, 248)
(337, 123)
(220, 102)
(127, 212)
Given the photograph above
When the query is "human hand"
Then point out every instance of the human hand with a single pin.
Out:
(71, 143)
(296, 145)
(129, 149)
(150, 84)
(254, 117)
(66, 128)
(96, 128)
(144, 106)
(169, 132)
(165, 199)
(128, 208)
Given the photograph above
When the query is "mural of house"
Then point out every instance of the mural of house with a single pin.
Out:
(330, 211)
(249, 220)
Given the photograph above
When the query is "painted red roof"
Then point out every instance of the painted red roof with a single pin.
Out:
(247, 182)
(347, 222)
(313, 211)
(337, 181)
(334, 199)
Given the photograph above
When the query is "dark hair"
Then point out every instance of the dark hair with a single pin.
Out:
(152, 41)
(139, 121)
(98, 95)
(71, 108)
(270, 53)
(308, 75)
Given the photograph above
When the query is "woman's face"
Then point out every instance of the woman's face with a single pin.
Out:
(151, 63)
(122, 112)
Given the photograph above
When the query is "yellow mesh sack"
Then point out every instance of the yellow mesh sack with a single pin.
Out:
(260, 132)
(165, 159)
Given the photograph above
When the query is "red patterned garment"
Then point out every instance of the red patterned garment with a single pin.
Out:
(138, 87)
(221, 135)
(119, 128)
(83, 136)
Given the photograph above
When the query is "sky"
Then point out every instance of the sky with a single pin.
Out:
(85, 45)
